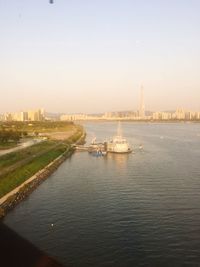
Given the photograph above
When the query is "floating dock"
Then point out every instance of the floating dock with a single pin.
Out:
(96, 148)
(81, 148)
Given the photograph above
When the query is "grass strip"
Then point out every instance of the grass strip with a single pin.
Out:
(12, 158)
(22, 172)
(4, 146)
(17, 177)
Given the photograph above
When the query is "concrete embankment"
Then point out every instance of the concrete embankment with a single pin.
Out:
(10, 200)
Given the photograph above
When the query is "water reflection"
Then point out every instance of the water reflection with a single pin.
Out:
(120, 160)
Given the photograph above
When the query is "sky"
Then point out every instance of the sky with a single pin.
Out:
(91, 56)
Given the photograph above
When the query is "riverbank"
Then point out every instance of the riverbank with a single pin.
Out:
(17, 184)
(10, 200)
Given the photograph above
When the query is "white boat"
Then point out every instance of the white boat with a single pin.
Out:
(118, 144)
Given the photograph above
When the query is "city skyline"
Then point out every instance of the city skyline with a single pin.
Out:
(91, 56)
(134, 115)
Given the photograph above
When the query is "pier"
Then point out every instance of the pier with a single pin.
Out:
(96, 147)
(81, 148)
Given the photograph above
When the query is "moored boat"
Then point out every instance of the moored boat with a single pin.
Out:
(97, 149)
(119, 143)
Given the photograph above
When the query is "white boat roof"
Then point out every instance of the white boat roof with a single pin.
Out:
(119, 138)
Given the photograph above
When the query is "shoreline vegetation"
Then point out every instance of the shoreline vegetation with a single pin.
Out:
(22, 171)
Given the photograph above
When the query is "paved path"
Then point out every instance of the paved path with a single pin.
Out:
(21, 146)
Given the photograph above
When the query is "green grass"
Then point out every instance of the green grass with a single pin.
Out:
(8, 145)
(22, 172)
(15, 178)
(14, 157)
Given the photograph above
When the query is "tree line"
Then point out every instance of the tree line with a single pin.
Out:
(11, 136)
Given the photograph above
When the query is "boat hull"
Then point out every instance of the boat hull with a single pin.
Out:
(120, 152)
(118, 145)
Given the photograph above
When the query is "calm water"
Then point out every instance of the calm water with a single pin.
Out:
(141, 209)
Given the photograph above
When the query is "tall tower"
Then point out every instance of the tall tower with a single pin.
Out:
(142, 105)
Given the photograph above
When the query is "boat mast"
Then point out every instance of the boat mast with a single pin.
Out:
(119, 129)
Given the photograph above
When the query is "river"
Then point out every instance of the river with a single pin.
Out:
(140, 209)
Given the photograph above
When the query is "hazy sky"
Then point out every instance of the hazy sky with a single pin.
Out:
(92, 55)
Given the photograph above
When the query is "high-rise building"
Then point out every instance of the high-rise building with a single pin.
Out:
(31, 115)
(180, 114)
(23, 116)
(36, 115)
(142, 105)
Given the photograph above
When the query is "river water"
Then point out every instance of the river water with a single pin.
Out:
(141, 209)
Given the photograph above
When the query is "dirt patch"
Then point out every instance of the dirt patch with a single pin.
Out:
(60, 135)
